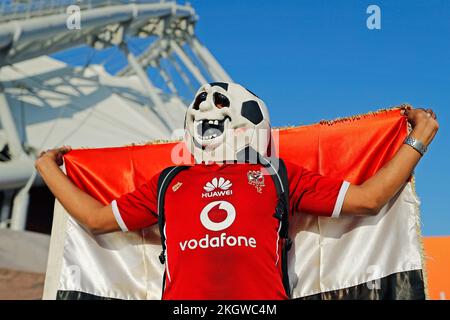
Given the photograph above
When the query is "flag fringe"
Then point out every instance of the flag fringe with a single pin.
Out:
(421, 242)
(364, 115)
(321, 122)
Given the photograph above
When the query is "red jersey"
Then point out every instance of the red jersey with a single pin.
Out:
(221, 234)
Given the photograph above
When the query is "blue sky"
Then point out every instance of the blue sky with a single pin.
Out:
(316, 59)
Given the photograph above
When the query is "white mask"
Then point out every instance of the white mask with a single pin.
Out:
(223, 120)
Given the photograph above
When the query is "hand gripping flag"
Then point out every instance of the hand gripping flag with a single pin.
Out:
(377, 257)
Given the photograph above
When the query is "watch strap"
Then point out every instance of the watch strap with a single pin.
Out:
(416, 145)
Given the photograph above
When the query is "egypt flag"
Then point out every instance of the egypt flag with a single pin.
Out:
(376, 257)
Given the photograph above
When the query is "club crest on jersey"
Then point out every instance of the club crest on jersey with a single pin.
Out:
(217, 187)
(256, 179)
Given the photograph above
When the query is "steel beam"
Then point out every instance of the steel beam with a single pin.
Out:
(182, 74)
(209, 61)
(42, 28)
(6, 208)
(167, 78)
(15, 173)
(9, 126)
(187, 62)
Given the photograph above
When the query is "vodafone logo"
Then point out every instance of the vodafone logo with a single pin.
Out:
(218, 241)
(217, 226)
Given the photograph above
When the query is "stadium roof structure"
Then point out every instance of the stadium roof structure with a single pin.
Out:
(45, 103)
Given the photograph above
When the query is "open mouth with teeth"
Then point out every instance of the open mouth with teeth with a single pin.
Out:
(209, 129)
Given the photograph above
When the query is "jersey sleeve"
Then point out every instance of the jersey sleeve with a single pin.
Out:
(313, 193)
(137, 209)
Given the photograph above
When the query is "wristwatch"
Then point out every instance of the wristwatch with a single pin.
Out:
(416, 145)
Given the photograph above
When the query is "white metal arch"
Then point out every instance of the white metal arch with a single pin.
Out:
(36, 28)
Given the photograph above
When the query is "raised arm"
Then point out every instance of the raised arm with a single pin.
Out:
(88, 211)
(369, 197)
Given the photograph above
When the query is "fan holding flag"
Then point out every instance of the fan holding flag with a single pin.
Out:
(226, 222)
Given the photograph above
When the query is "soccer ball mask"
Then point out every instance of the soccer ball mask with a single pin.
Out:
(225, 120)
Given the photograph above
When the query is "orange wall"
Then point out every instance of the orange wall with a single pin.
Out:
(437, 254)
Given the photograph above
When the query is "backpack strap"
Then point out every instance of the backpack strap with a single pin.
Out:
(165, 177)
(280, 178)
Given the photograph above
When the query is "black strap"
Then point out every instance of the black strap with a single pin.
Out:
(278, 171)
(284, 230)
(165, 177)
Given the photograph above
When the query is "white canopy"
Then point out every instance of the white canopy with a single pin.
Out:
(55, 104)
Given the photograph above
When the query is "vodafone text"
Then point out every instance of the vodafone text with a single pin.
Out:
(218, 242)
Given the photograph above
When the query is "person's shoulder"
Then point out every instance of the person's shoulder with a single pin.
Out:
(294, 170)
(168, 169)
(155, 177)
(291, 166)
